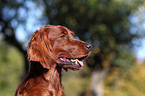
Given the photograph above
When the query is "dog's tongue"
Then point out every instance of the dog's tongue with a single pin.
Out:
(76, 61)
(80, 62)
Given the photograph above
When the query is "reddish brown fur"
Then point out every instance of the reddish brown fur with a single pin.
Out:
(46, 45)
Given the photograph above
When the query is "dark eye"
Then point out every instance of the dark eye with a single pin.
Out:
(62, 36)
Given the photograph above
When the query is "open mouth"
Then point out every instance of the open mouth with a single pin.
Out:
(72, 61)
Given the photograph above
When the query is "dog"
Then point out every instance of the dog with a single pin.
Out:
(50, 50)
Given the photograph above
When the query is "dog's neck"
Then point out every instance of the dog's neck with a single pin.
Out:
(52, 75)
(50, 78)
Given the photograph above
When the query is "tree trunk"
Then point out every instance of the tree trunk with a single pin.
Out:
(97, 82)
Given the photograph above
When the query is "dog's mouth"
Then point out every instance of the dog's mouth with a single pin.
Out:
(72, 63)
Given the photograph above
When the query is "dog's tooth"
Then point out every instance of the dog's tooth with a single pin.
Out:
(73, 60)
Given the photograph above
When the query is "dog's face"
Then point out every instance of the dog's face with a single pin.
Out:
(57, 45)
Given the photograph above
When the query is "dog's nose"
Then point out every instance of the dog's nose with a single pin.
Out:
(88, 46)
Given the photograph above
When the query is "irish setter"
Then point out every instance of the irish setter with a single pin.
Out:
(51, 49)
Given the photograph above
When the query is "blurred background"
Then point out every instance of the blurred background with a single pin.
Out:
(115, 29)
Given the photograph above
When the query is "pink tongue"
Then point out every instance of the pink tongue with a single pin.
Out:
(80, 62)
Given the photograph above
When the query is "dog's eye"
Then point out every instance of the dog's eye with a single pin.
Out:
(62, 36)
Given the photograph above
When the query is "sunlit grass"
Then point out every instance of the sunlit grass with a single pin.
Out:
(11, 69)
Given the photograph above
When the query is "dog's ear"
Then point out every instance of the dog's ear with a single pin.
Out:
(40, 49)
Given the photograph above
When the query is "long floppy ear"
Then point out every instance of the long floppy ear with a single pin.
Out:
(40, 49)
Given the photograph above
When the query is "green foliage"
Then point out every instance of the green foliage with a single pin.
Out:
(11, 69)
(124, 58)
(128, 84)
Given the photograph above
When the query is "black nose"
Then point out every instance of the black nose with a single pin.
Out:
(88, 46)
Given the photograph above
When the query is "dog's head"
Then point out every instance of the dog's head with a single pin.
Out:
(57, 45)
